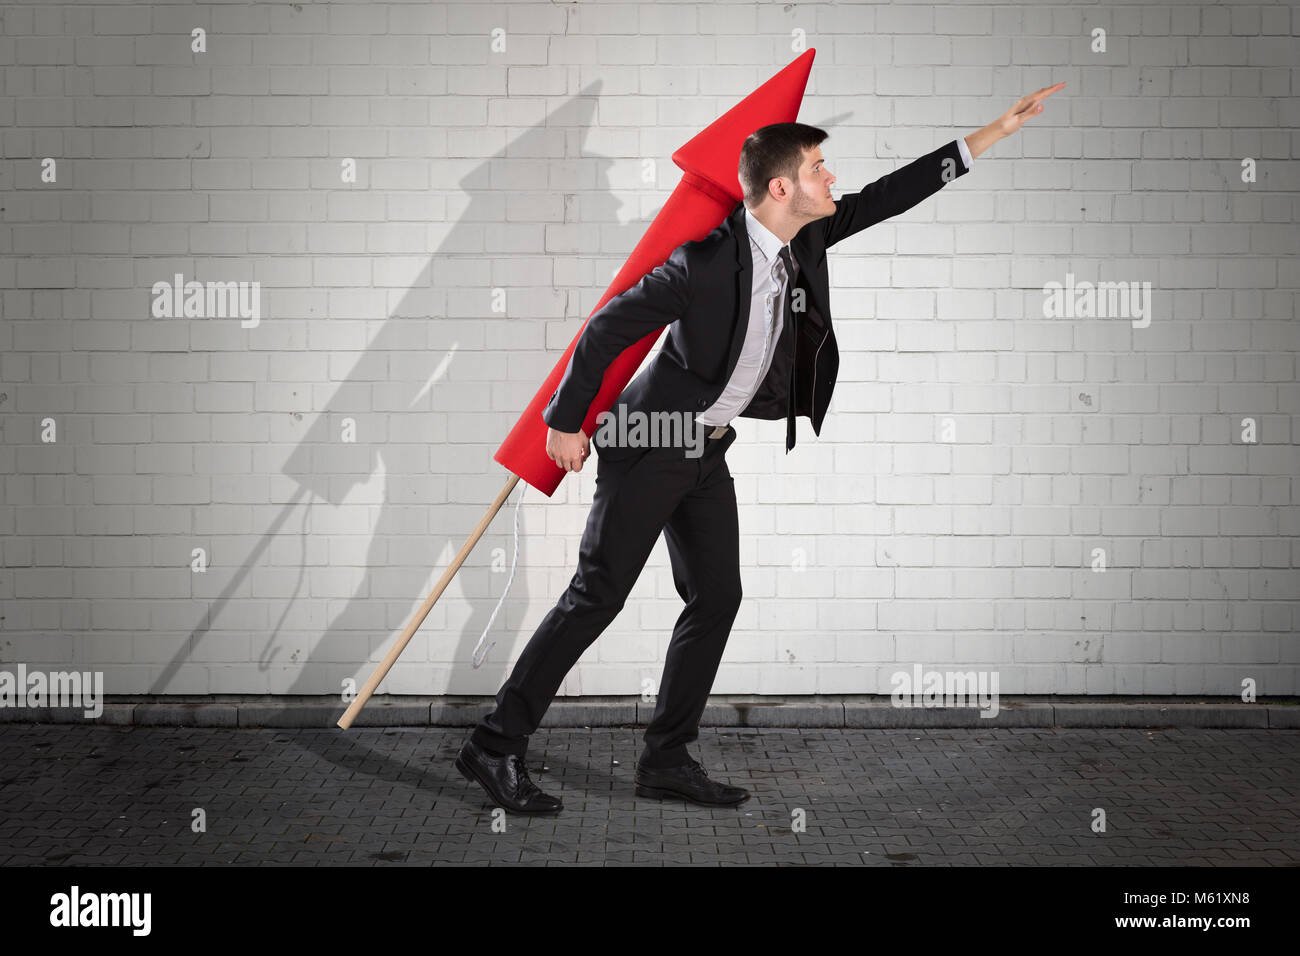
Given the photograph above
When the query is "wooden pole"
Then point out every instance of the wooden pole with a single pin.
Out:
(391, 657)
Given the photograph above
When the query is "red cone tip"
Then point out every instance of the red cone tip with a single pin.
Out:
(711, 154)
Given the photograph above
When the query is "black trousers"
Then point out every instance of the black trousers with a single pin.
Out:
(693, 502)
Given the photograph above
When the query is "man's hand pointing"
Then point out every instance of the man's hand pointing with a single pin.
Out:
(1025, 107)
(1010, 121)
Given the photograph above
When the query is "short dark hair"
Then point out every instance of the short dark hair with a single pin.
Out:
(772, 151)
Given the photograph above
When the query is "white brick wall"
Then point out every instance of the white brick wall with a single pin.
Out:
(883, 544)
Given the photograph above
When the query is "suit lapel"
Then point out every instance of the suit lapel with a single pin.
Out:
(744, 284)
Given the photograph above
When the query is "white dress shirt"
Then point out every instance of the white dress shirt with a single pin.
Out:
(766, 305)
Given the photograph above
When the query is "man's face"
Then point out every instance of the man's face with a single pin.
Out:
(811, 198)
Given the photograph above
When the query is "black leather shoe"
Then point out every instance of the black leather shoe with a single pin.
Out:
(505, 780)
(688, 782)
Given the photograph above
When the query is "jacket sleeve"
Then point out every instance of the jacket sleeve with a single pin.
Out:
(894, 192)
(659, 299)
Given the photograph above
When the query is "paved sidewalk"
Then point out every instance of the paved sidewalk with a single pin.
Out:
(93, 794)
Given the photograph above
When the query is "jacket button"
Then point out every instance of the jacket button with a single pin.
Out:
(703, 403)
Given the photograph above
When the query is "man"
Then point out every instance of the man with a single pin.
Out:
(750, 335)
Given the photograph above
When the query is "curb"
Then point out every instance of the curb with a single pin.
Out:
(826, 711)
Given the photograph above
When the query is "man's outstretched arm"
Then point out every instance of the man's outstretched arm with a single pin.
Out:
(902, 189)
(893, 193)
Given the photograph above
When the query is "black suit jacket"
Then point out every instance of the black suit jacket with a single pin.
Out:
(704, 290)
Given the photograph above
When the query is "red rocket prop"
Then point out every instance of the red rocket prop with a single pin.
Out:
(707, 193)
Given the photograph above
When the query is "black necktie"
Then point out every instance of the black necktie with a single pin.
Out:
(788, 318)
(789, 266)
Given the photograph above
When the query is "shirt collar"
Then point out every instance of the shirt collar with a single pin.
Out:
(764, 238)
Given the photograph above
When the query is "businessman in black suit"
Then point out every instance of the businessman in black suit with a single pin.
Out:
(748, 310)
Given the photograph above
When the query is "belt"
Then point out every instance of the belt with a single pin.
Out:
(717, 432)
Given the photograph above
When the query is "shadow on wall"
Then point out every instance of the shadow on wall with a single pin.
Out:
(403, 378)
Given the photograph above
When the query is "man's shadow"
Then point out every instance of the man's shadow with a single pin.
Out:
(418, 374)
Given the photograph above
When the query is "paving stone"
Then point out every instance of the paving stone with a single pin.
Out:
(1160, 715)
(186, 714)
(884, 714)
(590, 713)
(1280, 716)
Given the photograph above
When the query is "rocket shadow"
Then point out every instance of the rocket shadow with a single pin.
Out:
(396, 392)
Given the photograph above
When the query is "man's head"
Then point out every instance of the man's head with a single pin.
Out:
(782, 172)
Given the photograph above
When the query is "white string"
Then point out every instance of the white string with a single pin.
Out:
(477, 659)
